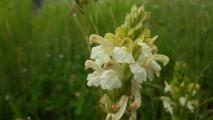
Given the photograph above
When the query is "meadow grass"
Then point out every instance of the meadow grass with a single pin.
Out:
(42, 54)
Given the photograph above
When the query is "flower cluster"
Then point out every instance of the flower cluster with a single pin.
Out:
(121, 62)
(181, 92)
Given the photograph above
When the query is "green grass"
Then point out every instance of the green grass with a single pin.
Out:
(42, 54)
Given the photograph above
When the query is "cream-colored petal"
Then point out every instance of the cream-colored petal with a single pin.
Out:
(139, 73)
(161, 58)
(112, 64)
(168, 87)
(156, 68)
(182, 101)
(110, 80)
(145, 50)
(168, 107)
(153, 68)
(167, 104)
(93, 65)
(135, 92)
(93, 79)
(99, 55)
(121, 55)
(107, 45)
(190, 106)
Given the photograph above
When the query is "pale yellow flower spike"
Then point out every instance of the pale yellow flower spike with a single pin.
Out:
(128, 56)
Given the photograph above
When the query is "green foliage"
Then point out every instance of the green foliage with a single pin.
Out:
(42, 54)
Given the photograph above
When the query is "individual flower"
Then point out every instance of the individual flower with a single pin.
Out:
(167, 104)
(190, 106)
(106, 45)
(139, 72)
(99, 55)
(184, 102)
(93, 79)
(168, 88)
(104, 77)
(148, 61)
(168, 107)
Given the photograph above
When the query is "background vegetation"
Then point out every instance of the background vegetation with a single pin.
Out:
(42, 54)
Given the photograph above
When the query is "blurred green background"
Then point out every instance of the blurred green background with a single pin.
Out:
(43, 49)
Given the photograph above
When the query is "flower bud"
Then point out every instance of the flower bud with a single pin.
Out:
(105, 103)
